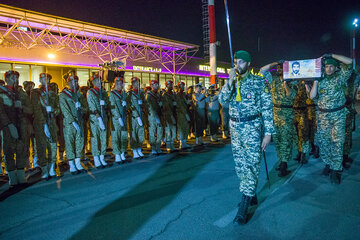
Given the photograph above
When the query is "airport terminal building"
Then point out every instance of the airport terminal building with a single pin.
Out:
(33, 42)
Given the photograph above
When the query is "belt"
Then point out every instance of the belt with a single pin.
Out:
(245, 119)
(282, 106)
(311, 105)
(331, 110)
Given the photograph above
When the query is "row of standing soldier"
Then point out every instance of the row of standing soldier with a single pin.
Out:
(41, 118)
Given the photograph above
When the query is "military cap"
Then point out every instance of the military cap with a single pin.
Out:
(75, 77)
(331, 61)
(182, 83)
(135, 79)
(10, 72)
(154, 81)
(95, 75)
(244, 55)
(169, 82)
(121, 79)
(41, 75)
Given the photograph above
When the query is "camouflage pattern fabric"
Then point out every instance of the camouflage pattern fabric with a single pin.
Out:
(283, 116)
(182, 123)
(246, 136)
(74, 142)
(213, 114)
(331, 125)
(169, 103)
(10, 115)
(199, 113)
(301, 119)
(154, 102)
(311, 118)
(136, 106)
(119, 101)
(43, 144)
(98, 137)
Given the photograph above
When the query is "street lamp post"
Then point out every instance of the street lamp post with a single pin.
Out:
(355, 24)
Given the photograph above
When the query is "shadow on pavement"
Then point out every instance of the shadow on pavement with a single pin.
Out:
(125, 216)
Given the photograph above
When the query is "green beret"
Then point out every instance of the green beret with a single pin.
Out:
(331, 61)
(244, 55)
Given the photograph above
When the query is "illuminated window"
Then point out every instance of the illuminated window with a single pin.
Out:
(35, 72)
(4, 67)
(24, 71)
(83, 75)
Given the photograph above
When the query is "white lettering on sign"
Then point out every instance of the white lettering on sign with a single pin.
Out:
(146, 69)
(206, 68)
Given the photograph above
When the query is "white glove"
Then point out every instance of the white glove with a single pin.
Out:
(174, 104)
(121, 122)
(102, 102)
(139, 102)
(139, 121)
(160, 104)
(77, 105)
(13, 131)
(18, 104)
(47, 130)
(123, 103)
(76, 126)
(48, 109)
(187, 117)
(101, 123)
(157, 120)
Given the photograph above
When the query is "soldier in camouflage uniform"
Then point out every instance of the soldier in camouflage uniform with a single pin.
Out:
(87, 135)
(301, 123)
(330, 97)
(350, 94)
(14, 106)
(182, 115)
(119, 134)
(213, 115)
(46, 108)
(135, 120)
(168, 113)
(199, 110)
(98, 107)
(72, 107)
(249, 98)
(283, 94)
(153, 100)
(190, 91)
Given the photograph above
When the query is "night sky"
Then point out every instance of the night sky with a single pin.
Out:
(287, 29)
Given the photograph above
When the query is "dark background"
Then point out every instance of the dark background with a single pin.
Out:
(287, 29)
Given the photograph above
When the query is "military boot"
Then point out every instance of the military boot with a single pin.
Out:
(303, 158)
(135, 154)
(140, 152)
(335, 176)
(20, 173)
(346, 163)
(298, 156)
(312, 149)
(316, 152)
(241, 215)
(102, 160)
(283, 171)
(123, 158)
(79, 166)
(326, 171)
(52, 172)
(73, 169)
(97, 162)
(45, 172)
(13, 180)
(254, 201)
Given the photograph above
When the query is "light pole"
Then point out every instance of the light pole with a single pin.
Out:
(355, 24)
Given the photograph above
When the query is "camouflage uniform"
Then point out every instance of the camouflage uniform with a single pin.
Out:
(331, 117)
(213, 115)
(350, 94)
(98, 136)
(16, 116)
(153, 100)
(182, 116)
(312, 123)
(199, 110)
(283, 116)
(43, 143)
(74, 142)
(136, 109)
(246, 127)
(119, 133)
(301, 119)
(169, 119)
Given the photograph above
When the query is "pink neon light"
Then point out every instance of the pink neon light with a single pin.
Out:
(95, 66)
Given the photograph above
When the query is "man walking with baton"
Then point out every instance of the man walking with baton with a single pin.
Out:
(250, 109)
